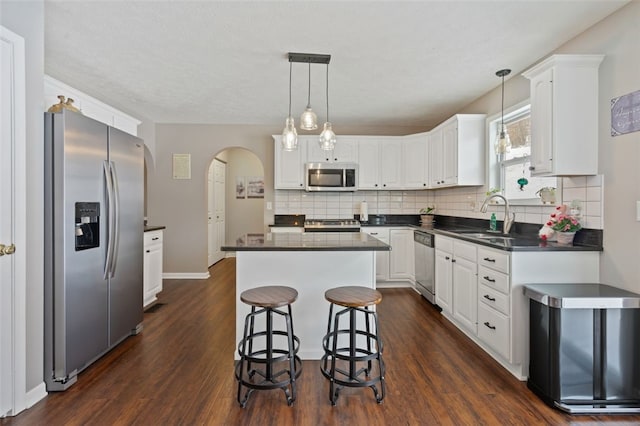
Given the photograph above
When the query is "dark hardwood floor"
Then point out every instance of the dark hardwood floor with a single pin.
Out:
(179, 371)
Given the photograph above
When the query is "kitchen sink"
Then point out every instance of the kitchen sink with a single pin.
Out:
(486, 236)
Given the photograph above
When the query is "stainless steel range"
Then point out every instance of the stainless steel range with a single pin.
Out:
(331, 225)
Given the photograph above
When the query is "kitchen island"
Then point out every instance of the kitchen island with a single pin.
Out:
(311, 263)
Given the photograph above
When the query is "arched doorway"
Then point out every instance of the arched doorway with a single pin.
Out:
(235, 198)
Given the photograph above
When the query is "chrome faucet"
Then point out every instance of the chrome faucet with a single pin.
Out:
(509, 217)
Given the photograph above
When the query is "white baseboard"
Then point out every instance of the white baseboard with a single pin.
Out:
(34, 395)
(185, 275)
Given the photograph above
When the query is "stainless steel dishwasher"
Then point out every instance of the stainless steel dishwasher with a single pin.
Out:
(425, 254)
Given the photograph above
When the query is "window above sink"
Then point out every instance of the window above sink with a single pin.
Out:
(504, 175)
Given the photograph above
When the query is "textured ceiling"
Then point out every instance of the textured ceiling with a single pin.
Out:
(394, 63)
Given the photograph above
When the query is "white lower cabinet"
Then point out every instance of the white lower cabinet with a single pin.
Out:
(382, 257)
(401, 258)
(456, 284)
(465, 300)
(492, 309)
(152, 259)
(394, 267)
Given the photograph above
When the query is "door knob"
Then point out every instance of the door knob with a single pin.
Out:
(7, 249)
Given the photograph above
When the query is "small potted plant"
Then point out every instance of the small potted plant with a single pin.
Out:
(426, 215)
(564, 225)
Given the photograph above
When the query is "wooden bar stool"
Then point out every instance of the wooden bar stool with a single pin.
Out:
(350, 351)
(265, 364)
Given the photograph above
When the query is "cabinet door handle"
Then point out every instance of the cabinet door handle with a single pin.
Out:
(447, 258)
(335, 159)
(491, 280)
(489, 298)
(155, 238)
(148, 251)
(453, 260)
(488, 325)
(531, 168)
(488, 259)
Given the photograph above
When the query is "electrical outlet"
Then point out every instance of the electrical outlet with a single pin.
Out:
(269, 205)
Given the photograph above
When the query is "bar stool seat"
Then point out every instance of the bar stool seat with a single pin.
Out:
(278, 365)
(350, 351)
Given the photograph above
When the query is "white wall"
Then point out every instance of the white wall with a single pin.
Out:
(27, 20)
(242, 215)
(619, 157)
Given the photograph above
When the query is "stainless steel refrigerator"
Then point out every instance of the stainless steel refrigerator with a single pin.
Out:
(93, 242)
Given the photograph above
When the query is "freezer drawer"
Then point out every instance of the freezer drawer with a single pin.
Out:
(584, 347)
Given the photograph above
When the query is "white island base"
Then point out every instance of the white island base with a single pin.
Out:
(311, 273)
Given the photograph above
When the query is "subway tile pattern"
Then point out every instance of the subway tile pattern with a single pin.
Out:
(462, 202)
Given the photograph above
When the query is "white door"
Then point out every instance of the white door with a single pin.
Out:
(216, 210)
(12, 224)
(211, 225)
(219, 178)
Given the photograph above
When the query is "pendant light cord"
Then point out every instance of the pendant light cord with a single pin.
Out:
(502, 113)
(290, 67)
(328, 93)
(309, 92)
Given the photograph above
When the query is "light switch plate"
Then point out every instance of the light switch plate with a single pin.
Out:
(270, 206)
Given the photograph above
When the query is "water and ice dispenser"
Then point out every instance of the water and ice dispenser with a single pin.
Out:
(87, 225)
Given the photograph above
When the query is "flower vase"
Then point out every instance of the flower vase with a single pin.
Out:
(565, 238)
(426, 220)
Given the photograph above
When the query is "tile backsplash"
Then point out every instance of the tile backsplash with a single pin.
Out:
(459, 201)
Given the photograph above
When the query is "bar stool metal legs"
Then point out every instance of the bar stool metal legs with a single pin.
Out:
(263, 364)
(353, 356)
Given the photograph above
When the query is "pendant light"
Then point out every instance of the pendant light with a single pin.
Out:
(503, 142)
(289, 134)
(327, 137)
(309, 119)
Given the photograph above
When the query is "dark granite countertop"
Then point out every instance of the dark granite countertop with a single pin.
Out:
(308, 241)
(515, 243)
(148, 228)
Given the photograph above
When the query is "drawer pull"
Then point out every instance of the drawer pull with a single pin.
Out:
(488, 325)
(155, 238)
(148, 251)
(492, 299)
(491, 280)
(488, 259)
(447, 258)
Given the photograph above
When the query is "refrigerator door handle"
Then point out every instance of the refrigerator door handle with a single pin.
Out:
(116, 218)
(107, 177)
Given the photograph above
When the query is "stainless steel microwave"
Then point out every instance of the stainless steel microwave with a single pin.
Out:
(331, 176)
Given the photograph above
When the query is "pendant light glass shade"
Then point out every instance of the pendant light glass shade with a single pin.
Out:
(503, 142)
(309, 119)
(327, 138)
(289, 135)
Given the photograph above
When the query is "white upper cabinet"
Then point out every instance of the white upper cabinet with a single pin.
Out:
(415, 154)
(391, 163)
(346, 151)
(379, 162)
(457, 152)
(564, 115)
(89, 106)
(288, 165)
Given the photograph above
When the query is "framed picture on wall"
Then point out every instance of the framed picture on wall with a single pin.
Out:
(255, 187)
(241, 188)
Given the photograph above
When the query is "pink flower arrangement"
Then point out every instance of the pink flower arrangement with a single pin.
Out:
(560, 221)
